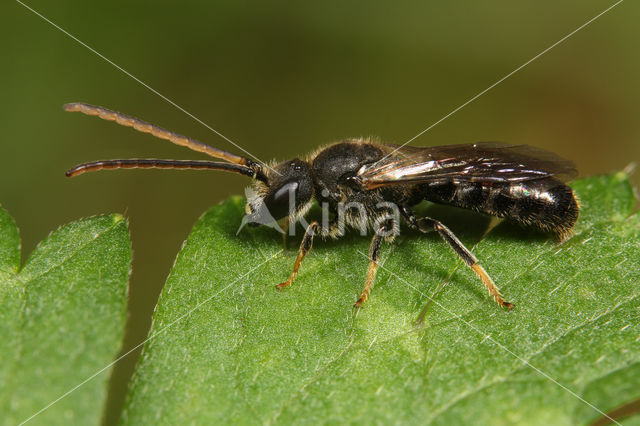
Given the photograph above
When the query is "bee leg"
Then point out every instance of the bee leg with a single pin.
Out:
(305, 247)
(426, 224)
(374, 255)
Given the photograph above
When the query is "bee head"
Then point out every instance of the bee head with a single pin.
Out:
(287, 192)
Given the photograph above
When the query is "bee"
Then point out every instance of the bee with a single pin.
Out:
(521, 183)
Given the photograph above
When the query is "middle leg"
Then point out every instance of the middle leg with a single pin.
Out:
(374, 255)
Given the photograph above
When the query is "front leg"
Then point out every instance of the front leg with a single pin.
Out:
(305, 247)
(426, 224)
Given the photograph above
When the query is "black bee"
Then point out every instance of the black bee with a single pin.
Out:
(517, 182)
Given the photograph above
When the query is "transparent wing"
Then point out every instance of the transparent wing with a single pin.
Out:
(484, 162)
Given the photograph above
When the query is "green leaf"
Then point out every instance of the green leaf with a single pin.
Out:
(62, 319)
(225, 346)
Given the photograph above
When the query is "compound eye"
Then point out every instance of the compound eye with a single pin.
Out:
(283, 193)
(282, 202)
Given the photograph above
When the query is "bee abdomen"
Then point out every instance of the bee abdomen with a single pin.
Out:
(546, 204)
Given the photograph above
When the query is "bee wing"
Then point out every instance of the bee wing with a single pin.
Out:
(485, 162)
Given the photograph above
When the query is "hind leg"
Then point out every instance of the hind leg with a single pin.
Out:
(426, 224)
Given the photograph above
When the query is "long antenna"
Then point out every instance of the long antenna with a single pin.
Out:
(153, 163)
(159, 132)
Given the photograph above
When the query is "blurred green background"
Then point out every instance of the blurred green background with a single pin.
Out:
(280, 79)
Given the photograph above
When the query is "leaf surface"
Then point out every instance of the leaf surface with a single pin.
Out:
(63, 317)
(225, 346)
